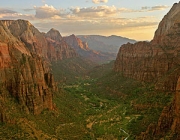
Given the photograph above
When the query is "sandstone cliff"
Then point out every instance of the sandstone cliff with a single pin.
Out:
(50, 46)
(76, 43)
(58, 49)
(23, 72)
(157, 61)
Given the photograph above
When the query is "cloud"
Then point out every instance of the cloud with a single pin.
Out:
(94, 12)
(86, 20)
(6, 11)
(28, 10)
(111, 24)
(99, 1)
(153, 8)
(16, 16)
(47, 11)
(10, 14)
(144, 9)
(161, 7)
(75, 13)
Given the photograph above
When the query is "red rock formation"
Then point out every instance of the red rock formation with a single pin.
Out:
(157, 61)
(167, 26)
(28, 34)
(49, 46)
(58, 49)
(23, 73)
(54, 35)
(76, 43)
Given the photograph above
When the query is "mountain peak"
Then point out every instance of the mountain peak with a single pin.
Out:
(73, 35)
(76, 42)
(54, 35)
(171, 19)
(53, 29)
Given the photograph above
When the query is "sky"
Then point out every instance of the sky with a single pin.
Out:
(135, 19)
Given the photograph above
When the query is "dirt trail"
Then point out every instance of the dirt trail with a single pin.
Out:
(91, 123)
(62, 125)
(32, 131)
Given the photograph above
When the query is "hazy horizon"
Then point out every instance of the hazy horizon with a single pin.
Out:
(134, 20)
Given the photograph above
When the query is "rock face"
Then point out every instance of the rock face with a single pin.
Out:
(54, 35)
(50, 46)
(58, 49)
(167, 26)
(23, 72)
(157, 61)
(83, 50)
(25, 32)
(76, 43)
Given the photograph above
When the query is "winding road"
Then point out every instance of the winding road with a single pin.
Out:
(125, 133)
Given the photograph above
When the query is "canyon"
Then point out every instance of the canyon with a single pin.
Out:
(26, 55)
(53, 87)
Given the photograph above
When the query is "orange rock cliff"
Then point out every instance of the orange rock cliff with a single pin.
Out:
(25, 56)
(157, 61)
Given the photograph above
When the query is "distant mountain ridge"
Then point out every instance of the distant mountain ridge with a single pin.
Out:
(108, 44)
(82, 48)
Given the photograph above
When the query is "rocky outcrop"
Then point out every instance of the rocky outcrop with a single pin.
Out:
(50, 46)
(168, 27)
(83, 50)
(140, 61)
(58, 49)
(54, 35)
(76, 43)
(23, 72)
(25, 32)
(157, 61)
(150, 61)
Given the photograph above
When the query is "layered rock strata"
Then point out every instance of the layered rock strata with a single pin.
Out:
(23, 72)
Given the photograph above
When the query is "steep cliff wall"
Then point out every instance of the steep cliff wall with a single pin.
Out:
(23, 73)
(140, 61)
(167, 26)
(157, 61)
